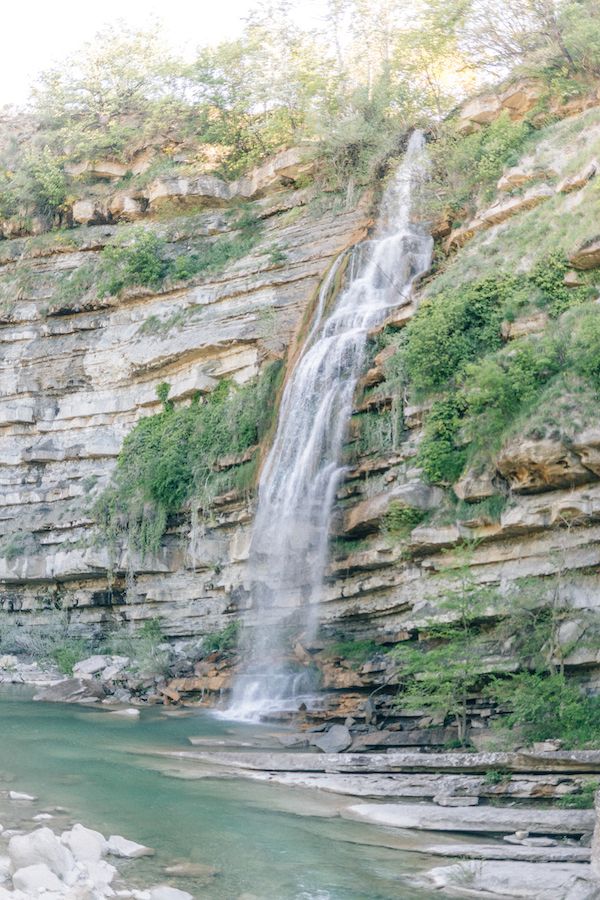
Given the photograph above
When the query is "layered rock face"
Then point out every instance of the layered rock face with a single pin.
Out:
(77, 375)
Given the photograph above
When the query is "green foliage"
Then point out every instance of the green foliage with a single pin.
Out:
(222, 641)
(440, 455)
(453, 329)
(145, 646)
(489, 509)
(68, 654)
(355, 652)
(545, 706)
(584, 351)
(583, 799)
(441, 671)
(173, 455)
(400, 520)
(140, 262)
(496, 776)
(465, 168)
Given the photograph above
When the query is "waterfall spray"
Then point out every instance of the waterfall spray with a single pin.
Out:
(288, 552)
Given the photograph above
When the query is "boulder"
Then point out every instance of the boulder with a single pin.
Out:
(72, 690)
(102, 874)
(85, 845)
(203, 188)
(475, 486)
(18, 795)
(126, 206)
(120, 846)
(517, 880)
(35, 880)
(90, 666)
(41, 847)
(521, 96)
(89, 212)
(532, 324)
(335, 740)
(479, 111)
(98, 168)
(189, 869)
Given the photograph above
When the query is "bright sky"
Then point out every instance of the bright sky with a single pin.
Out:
(39, 33)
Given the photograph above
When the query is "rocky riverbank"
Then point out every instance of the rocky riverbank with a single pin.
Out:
(493, 811)
(37, 859)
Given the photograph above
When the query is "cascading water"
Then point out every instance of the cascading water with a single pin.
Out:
(288, 552)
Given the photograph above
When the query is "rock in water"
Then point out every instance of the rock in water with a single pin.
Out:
(120, 846)
(162, 892)
(72, 690)
(337, 739)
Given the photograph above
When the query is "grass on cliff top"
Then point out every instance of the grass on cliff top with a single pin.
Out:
(172, 456)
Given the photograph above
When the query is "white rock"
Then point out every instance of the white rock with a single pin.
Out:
(41, 846)
(17, 795)
(42, 817)
(35, 879)
(102, 874)
(141, 895)
(85, 845)
(163, 892)
(120, 846)
(91, 666)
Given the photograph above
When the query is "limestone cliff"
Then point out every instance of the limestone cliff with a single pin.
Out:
(77, 375)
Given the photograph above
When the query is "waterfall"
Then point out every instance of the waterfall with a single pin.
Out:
(288, 551)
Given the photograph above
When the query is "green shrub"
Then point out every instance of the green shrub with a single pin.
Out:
(584, 350)
(583, 799)
(173, 455)
(222, 641)
(355, 652)
(141, 262)
(440, 454)
(451, 330)
(400, 520)
(546, 706)
(498, 389)
(68, 654)
(466, 168)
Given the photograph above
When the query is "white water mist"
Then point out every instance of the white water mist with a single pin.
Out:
(288, 552)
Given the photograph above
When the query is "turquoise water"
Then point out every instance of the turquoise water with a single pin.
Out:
(268, 842)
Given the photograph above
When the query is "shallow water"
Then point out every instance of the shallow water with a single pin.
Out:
(269, 842)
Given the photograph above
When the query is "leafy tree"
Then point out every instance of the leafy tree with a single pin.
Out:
(535, 35)
(442, 671)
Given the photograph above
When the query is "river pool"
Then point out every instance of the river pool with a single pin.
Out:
(268, 842)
